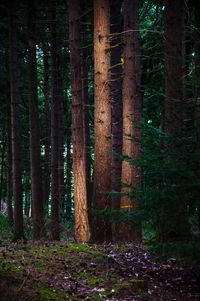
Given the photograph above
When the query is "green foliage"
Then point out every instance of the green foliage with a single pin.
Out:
(5, 228)
(177, 252)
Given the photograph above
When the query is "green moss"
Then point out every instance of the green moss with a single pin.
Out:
(89, 278)
(47, 294)
(100, 258)
(8, 266)
(140, 287)
(115, 278)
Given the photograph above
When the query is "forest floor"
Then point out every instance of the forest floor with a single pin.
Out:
(52, 271)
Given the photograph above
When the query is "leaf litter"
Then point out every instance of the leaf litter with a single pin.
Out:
(49, 271)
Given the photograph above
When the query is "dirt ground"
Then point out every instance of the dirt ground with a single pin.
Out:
(53, 271)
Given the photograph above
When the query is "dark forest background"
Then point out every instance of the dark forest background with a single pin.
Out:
(99, 120)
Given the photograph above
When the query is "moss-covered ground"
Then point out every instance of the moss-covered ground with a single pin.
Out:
(52, 271)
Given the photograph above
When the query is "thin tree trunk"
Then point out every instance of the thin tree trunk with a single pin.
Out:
(3, 152)
(15, 125)
(197, 86)
(116, 96)
(102, 121)
(36, 179)
(82, 233)
(131, 173)
(55, 231)
(47, 129)
(69, 177)
(60, 142)
(27, 206)
(9, 165)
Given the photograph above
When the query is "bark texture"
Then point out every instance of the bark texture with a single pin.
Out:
(131, 173)
(82, 232)
(102, 121)
(86, 115)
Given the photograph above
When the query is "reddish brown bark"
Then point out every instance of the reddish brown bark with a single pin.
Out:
(82, 233)
(86, 115)
(131, 173)
(102, 121)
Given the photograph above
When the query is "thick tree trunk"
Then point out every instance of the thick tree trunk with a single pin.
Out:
(116, 96)
(82, 233)
(15, 125)
(36, 178)
(173, 217)
(86, 117)
(102, 121)
(55, 231)
(131, 173)
(47, 130)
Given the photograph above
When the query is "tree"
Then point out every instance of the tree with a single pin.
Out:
(9, 164)
(82, 233)
(102, 121)
(131, 172)
(197, 87)
(36, 177)
(15, 124)
(69, 176)
(86, 109)
(116, 97)
(173, 219)
(47, 128)
(55, 231)
(2, 166)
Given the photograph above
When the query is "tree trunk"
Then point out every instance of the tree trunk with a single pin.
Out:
(116, 96)
(82, 233)
(15, 125)
(47, 130)
(55, 231)
(197, 88)
(69, 177)
(86, 115)
(2, 165)
(9, 165)
(36, 179)
(174, 221)
(131, 172)
(102, 121)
